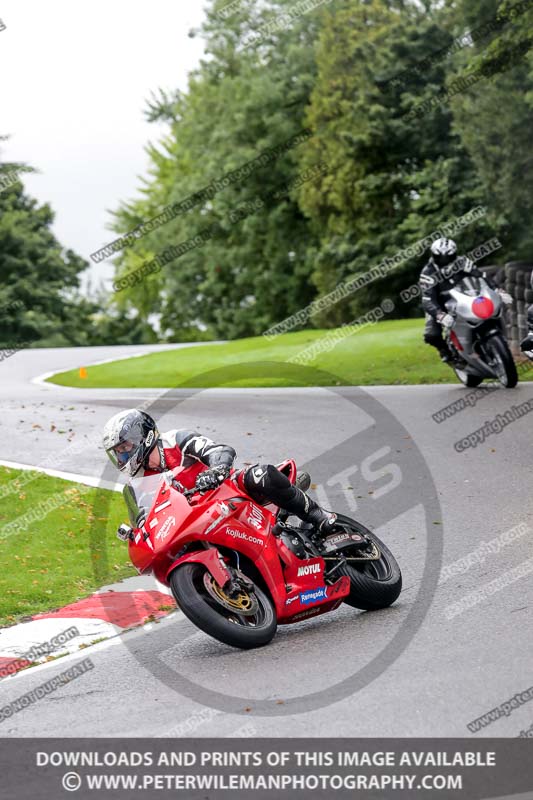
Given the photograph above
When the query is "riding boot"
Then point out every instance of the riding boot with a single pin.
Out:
(444, 352)
(307, 510)
(265, 483)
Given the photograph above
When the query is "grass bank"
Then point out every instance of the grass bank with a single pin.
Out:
(58, 542)
(390, 352)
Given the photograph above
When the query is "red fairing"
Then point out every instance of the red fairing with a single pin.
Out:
(211, 559)
(179, 529)
(288, 467)
(455, 341)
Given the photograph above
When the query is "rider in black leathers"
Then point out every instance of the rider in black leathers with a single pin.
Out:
(444, 270)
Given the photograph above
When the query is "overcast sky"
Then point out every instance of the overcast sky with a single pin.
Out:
(74, 78)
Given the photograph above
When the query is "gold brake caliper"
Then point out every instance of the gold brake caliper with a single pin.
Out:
(241, 602)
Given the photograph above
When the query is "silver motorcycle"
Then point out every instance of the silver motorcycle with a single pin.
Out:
(476, 339)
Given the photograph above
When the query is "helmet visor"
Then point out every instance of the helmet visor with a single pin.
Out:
(127, 454)
(444, 259)
(122, 453)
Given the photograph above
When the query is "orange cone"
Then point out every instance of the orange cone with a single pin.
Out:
(83, 372)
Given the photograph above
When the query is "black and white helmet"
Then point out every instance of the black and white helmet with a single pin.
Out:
(129, 438)
(444, 253)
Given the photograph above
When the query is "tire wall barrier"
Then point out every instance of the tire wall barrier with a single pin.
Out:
(515, 277)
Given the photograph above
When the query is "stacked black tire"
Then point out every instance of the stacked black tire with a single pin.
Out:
(518, 284)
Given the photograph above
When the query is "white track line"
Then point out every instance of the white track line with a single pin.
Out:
(40, 380)
(87, 480)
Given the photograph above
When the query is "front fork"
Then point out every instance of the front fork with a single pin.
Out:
(481, 362)
(231, 580)
(211, 559)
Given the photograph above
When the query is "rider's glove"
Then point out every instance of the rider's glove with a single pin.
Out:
(446, 320)
(211, 478)
(505, 296)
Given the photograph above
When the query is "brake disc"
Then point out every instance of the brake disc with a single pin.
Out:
(242, 602)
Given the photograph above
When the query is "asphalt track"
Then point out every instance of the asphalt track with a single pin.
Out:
(171, 679)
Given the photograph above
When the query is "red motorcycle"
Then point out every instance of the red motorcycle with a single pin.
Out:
(238, 569)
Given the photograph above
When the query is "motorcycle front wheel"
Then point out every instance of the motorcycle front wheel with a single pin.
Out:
(501, 361)
(374, 584)
(245, 620)
(466, 378)
(460, 368)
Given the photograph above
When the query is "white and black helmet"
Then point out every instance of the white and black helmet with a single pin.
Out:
(443, 253)
(129, 438)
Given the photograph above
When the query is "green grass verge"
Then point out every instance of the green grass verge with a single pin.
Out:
(390, 352)
(68, 551)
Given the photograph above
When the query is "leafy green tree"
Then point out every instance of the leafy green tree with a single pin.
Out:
(244, 100)
(38, 277)
(494, 117)
(357, 76)
(109, 326)
(393, 179)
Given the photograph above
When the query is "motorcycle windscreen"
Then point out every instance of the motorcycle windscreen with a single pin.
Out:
(472, 286)
(140, 494)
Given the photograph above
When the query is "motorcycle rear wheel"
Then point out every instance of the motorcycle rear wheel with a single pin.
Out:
(373, 584)
(188, 583)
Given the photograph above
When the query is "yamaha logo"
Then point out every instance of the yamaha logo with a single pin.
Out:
(310, 569)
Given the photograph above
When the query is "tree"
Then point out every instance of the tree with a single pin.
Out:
(396, 149)
(38, 293)
(392, 179)
(494, 118)
(244, 101)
